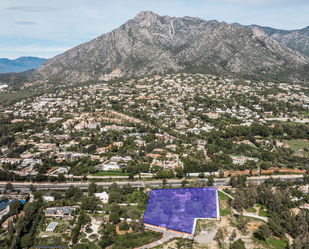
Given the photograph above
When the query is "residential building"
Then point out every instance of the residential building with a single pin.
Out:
(102, 196)
(66, 213)
(4, 208)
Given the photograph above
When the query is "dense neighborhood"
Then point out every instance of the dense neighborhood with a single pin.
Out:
(193, 129)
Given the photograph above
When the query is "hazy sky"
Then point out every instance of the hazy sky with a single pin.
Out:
(45, 28)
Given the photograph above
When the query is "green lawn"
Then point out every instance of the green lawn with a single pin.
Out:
(298, 145)
(273, 242)
(108, 173)
(252, 210)
(222, 196)
(225, 198)
(303, 113)
(261, 211)
(224, 212)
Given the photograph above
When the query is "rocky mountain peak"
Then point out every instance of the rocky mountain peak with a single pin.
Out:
(153, 44)
(258, 33)
(145, 19)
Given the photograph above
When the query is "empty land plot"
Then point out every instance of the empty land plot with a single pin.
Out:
(177, 209)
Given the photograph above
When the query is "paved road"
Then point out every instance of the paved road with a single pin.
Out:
(245, 213)
(305, 120)
(167, 235)
(157, 183)
(255, 216)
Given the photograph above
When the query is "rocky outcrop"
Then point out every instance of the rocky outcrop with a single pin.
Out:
(297, 40)
(150, 44)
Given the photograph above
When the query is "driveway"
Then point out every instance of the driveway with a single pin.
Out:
(95, 227)
(245, 213)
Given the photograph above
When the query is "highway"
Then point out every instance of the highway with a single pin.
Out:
(24, 186)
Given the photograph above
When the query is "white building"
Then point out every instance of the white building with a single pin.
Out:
(102, 196)
(106, 167)
(48, 198)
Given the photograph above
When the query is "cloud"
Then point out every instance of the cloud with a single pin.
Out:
(25, 23)
(32, 8)
(36, 48)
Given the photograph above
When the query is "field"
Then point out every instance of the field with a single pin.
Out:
(111, 173)
(298, 146)
(273, 242)
(224, 204)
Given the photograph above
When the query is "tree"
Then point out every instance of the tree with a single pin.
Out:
(127, 188)
(106, 241)
(32, 188)
(115, 208)
(110, 228)
(180, 243)
(61, 178)
(233, 181)
(4, 198)
(243, 224)
(26, 241)
(221, 174)
(92, 188)
(297, 244)
(137, 226)
(238, 244)
(210, 180)
(265, 232)
(100, 189)
(114, 148)
(221, 234)
(124, 226)
(11, 229)
(184, 183)
(233, 235)
(164, 182)
(15, 206)
(37, 194)
(131, 176)
(114, 197)
(179, 173)
(9, 186)
(239, 201)
(89, 203)
(264, 166)
(201, 175)
(114, 217)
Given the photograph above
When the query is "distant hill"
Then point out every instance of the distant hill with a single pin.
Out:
(20, 64)
(297, 40)
(151, 44)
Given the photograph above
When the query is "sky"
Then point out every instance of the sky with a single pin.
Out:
(45, 28)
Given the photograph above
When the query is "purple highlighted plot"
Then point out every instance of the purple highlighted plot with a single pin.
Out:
(177, 208)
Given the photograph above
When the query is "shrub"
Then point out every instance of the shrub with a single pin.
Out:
(88, 230)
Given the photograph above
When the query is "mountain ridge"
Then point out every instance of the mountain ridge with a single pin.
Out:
(20, 64)
(149, 44)
(297, 40)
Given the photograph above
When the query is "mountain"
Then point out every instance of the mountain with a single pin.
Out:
(297, 40)
(20, 64)
(150, 44)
